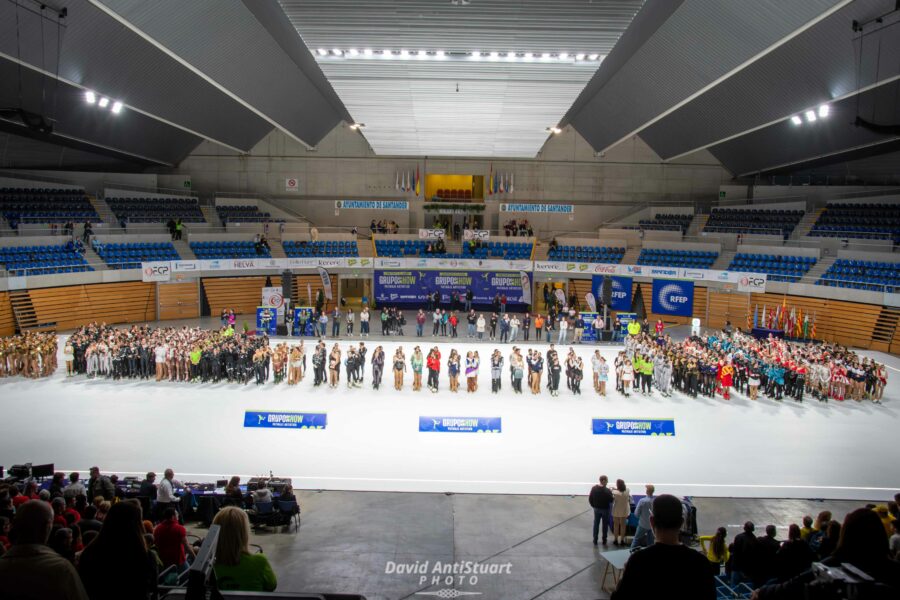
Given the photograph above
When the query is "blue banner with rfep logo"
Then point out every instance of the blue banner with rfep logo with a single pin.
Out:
(621, 291)
(650, 427)
(285, 420)
(460, 424)
(673, 297)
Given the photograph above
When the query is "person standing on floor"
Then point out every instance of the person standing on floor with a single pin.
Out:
(643, 536)
(601, 499)
(377, 366)
(621, 508)
(496, 371)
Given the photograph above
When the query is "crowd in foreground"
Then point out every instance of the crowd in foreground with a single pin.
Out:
(83, 540)
(775, 569)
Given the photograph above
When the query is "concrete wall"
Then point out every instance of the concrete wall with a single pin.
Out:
(778, 250)
(682, 246)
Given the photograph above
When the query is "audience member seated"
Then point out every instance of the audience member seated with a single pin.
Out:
(232, 249)
(778, 267)
(242, 214)
(664, 257)
(45, 206)
(868, 221)
(666, 565)
(236, 568)
(661, 222)
(518, 228)
(591, 254)
(753, 220)
(328, 248)
(171, 542)
(130, 255)
(30, 569)
(794, 556)
(862, 275)
(491, 249)
(44, 260)
(156, 210)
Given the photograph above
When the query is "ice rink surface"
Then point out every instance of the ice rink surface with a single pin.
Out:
(736, 448)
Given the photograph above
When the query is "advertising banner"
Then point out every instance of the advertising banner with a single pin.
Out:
(156, 271)
(752, 282)
(272, 296)
(410, 287)
(636, 427)
(589, 335)
(476, 234)
(621, 291)
(432, 234)
(266, 320)
(460, 424)
(671, 297)
(565, 209)
(285, 420)
(372, 205)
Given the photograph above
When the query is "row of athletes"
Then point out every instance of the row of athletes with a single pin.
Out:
(31, 354)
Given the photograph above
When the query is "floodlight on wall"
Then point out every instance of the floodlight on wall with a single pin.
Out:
(368, 52)
(322, 52)
(357, 126)
(810, 116)
(796, 120)
(103, 102)
(554, 130)
(824, 109)
(116, 108)
(90, 97)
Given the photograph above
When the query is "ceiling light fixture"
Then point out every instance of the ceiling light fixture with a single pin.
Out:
(810, 116)
(593, 56)
(579, 56)
(494, 54)
(545, 56)
(357, 126)
(338, 52)
(824, 109)
(367, 52)
(554, 130)
(563, 56)
(404, 53)
(476, 54)
(103, 103)
(796, 120)
(116, 107)
(90, 97)
(353, 52)
(439, 54)
(322, 51)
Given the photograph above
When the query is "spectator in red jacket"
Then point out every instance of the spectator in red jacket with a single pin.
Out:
(171, 540)
(433, 363)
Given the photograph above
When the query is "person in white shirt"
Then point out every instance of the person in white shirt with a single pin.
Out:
(75, 487)
(479, 326)
(349, 320)
(364, 322)
(514, 328)
(160, 356)
(165, 492)
(563, 328)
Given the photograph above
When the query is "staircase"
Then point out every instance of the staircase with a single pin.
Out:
(276, 249)
(184, 250)
(210, 215)
(724, 259)
(818, 270)
(366, 247)
(94, 259)
(453, 246)
(631, 256)
(697, 225)
(886, 325)
(23, 310)
(541, 250)
(106, 214)
(806, 224)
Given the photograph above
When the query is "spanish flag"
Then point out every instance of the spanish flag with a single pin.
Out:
(418, 187)
(491, 181)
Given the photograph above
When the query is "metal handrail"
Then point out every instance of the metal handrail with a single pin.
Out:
(148, 190)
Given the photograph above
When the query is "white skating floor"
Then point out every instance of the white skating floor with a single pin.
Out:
(736, 448)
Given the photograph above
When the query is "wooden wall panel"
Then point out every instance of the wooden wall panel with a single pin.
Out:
(7, 319)
(301, 292)
(726, 306)
(73, 306)
(240, 294)
(179, 300)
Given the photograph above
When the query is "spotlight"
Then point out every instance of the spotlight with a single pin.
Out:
(579, 56)
(810, 116)
(494, 55)
(353, 52)
(545, 56)
(796, 120)
(553, 130)
(476, 54)
(563, 56)
(593, 56)
(357, 126)
(116, 107)
(367, 52)
(824, 110)
(103, 103)
(404, 53)
(439, 54)
(90, 97)
(338, 52)
(322, 51)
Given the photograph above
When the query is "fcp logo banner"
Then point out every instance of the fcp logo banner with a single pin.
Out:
(673, 297)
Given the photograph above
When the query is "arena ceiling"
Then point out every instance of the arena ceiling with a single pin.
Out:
(683, 75)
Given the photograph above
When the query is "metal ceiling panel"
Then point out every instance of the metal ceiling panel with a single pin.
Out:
(502, 108)
(21, 152)
(783, 143)
(701, 42)
(128, 132)
(224, 40)
(99, 53)
(791, 79)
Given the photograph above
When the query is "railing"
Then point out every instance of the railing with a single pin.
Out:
(150, 190)
(890, 178)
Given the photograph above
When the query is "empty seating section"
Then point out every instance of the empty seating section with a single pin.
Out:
(45, 206)
(242, 214)
(400, 248)
(778, 267)
(453, 195)
(862, 275)
(664, 257)
(595, 254)
(753, 220)
(42, 260)
(332, 248)
(155, 210)
(506, 250)
(130, 256)
(231, 249)
(870, 221)
(667, 222)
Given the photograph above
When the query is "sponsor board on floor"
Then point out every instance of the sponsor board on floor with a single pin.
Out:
(634, 427)
(285, 420)
(460, 424)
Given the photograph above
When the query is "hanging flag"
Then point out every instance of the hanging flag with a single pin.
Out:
(418, 187)
(812, 333)
(326, 282)
(408, 184)
(798, 323)
(511, 183)
(806, 326)
(502, 186)
(491, 180)
(789, 322)
(765, 317)
(756, 316)
(309, 293)
(783, 314)
(397, 180)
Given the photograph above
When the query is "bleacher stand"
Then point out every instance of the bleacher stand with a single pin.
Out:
(43, 260)
(330, 248)
(679, 222)
(45, 206)
(504, 250)
(228, 249)
(778, 267)
(130, 255)
(664, 257)
(868, 221)
(595, 254)
(156, 210)
(401, 248)
(753, 220)
(242, 214)
(862, 275)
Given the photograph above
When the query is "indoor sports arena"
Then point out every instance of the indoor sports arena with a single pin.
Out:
(502, 299)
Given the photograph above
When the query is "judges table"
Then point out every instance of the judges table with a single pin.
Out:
(762, 333)
(615, 562)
